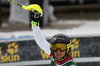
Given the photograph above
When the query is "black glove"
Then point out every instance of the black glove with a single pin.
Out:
(36, 16)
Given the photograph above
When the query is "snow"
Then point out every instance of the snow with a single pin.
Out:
(87, 28)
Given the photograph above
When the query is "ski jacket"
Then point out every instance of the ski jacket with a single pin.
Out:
(66, 62)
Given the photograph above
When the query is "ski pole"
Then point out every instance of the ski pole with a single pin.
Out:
(16, 3)
(31, 7)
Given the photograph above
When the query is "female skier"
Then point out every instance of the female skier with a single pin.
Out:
(60, 45)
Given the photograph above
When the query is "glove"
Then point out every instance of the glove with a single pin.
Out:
(36, 15)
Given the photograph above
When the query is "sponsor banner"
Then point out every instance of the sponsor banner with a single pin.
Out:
(28, 50)
(85, 47)
(19, 51)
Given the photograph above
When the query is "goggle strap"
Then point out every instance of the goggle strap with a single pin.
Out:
(68, 46)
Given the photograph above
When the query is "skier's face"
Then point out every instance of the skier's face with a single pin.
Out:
(59, 54)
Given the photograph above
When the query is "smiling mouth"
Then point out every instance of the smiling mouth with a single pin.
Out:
(58, 54)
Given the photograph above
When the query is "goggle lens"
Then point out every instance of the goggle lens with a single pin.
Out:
(57, 46)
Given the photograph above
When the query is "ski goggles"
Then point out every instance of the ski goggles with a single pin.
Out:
(62, 47)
